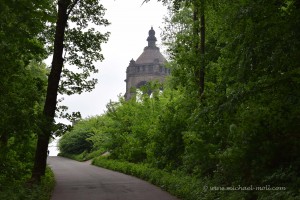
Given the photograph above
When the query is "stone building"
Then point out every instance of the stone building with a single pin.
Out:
(148, 67)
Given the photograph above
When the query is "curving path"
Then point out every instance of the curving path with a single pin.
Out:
(82, 181)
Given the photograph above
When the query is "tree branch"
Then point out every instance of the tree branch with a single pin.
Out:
(72, 6)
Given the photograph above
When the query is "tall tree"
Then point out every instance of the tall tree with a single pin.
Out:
(81, 46)
(198, 36)
(23, 83)
(201, 5)
(20, 44)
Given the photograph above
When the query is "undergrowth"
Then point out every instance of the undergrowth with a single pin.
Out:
(187, 187)
(20, 190)
(176, 183)
(83, 156)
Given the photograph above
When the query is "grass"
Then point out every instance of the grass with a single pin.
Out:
(176, 183)
(20, 190)
(83, 156)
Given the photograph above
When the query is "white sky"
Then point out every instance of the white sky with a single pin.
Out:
(130, 23)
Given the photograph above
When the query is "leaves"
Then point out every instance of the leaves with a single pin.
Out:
(82, 46)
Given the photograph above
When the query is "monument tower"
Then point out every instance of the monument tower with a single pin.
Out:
(148, 67)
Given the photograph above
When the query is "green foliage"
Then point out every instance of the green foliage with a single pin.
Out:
(184, 187)
(74, 44)
(16, 190)
(76, 141)
(84, 156)
(23, 84)
(80, 47)
(166, 147)
(23, 76)
(21, 106)
(133, 124)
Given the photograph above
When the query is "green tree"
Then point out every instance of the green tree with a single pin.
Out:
(166, 144)
(250, 106)
(75, 141)
(81, 46)
(260, 66)
(22, 82)
(134, 123)
(190, 39)
(21, 109)
(20, 44)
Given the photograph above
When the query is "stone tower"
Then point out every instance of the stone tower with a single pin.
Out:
(148, 67)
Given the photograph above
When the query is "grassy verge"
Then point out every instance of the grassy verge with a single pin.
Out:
(83, 156)
(72, 156)
(176, 183)
(19, 190)
(187, 187)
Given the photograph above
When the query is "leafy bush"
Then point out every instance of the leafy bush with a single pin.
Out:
(76, 141)
(84, 156)
(188, 187)
(178, 184)
(17, 190)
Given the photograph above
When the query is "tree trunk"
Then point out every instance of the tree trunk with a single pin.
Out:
(202, 47)
(52, 90)
(199, 31)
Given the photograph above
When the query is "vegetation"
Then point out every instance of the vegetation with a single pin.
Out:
(239, 128)
(73, 44)
(16, 190)
(28, 89)
(228, 116)
(184, 187)
(23, 84)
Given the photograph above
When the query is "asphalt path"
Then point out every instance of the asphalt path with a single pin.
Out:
(82, 181)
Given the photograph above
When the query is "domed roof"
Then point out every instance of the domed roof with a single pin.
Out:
(151, 53)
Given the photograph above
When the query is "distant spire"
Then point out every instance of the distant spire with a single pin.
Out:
(151, 38)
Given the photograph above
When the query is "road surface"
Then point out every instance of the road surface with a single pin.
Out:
(82, 181)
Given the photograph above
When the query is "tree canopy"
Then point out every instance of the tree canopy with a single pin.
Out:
(23, 84)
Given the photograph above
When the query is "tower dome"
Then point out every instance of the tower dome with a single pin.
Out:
(151, 52)
(149, 66)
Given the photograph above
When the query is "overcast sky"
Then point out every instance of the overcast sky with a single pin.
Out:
(130, 23)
